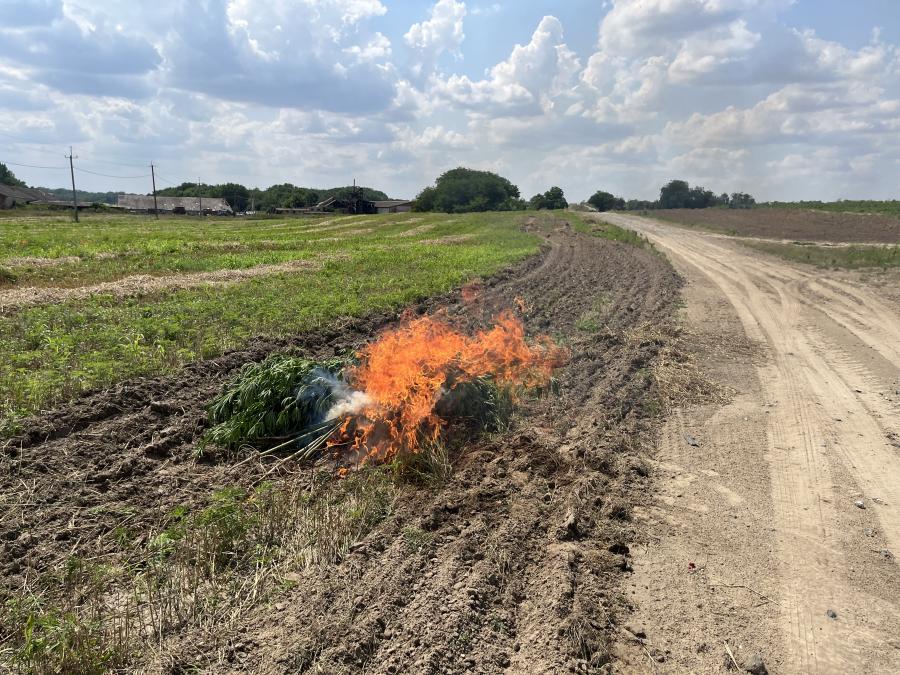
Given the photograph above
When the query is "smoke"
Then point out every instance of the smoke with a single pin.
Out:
(350, 403)
(332, 396)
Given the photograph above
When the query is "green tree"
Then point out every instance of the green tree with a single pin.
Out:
(741, 200)
(675, 195)
(237, 196)
(606, 201)
(425, 200)
(465, 190)
(7, 177)
(552, 199)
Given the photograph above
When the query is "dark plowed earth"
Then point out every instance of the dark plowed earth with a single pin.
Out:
(794, 224)
(527, 538)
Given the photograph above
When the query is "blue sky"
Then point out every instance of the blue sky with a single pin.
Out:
(784, 99)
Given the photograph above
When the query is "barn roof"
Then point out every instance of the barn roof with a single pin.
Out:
(391, 203)
(145, 203)
(23, 194)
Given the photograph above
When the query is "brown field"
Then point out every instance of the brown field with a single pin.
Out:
(790, 224)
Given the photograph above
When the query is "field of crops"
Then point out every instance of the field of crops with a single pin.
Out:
(886, 208)
(84, 305)
(790, 224)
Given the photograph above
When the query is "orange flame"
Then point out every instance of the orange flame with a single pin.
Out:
(407, 371)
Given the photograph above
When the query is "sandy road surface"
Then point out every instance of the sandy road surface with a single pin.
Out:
(763, 541)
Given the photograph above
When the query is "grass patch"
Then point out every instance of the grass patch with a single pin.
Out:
(609, 231)
(201, 569)
(834, 257)
(592, 320)
(889, 207)
(51, 353)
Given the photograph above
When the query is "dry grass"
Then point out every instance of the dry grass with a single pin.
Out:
(677, 378)
(142, 284)
(201, 569)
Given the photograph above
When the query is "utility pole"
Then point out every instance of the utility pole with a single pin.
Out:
(199, 198)
(153, 175)
(74, 194)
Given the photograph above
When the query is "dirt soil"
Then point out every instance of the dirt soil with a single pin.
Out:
(775, 519)
(791, 224)
(551, 501)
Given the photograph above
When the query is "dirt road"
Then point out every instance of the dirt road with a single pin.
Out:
(778, 514)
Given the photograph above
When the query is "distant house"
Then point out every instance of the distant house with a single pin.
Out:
(215, 206)
(11, 195)
(393, 206)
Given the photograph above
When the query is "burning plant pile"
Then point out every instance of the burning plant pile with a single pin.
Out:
(400, 393)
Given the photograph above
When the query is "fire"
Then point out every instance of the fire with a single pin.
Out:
(407, 371)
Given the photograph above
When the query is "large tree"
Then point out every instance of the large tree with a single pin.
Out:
(678, 194)
(606, 201)
(464, 190)
(552, 199)
(675, 195)
(7, 177)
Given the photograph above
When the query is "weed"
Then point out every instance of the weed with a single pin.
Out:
(588, 323)
(415, 539)
(271, 400)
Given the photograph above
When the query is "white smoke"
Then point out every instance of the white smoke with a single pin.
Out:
(349, 402)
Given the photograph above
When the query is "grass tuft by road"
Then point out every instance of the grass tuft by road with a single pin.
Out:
(833, 257)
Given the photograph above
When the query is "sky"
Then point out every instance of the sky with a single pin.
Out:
(785, 99)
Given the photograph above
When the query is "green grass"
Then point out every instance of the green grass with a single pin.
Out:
(609, 231)
(834, 257)
(52, 352)
(886, 208)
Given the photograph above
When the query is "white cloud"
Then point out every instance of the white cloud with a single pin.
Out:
(527, 83)
(443, 32)
(720, 92)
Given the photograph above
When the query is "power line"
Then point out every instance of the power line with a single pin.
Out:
(106, 175)
(109, 161)
(32, 166)
(166, 180)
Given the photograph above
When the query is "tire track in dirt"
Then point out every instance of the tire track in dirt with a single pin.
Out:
(827, 446)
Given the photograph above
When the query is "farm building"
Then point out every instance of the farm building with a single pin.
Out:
(393, 206)
(11, 195)
(182, 205)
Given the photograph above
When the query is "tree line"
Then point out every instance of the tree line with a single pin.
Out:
(463, 190)
(282, 196)
(676, 194)
(459, 190)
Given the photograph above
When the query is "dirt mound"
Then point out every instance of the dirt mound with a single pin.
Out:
(519, 553)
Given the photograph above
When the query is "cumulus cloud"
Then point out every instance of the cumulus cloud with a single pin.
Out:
(443, 32)
(720, 92)
(310, 54)
(55, 50)
(524, 84)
